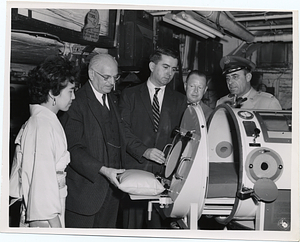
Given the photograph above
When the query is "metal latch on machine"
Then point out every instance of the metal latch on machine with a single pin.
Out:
(264, 190)
(244, 193)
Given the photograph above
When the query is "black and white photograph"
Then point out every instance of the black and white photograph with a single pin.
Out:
(150, 122)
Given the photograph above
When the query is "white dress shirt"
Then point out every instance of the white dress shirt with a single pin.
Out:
(99, 96)
(160, 94)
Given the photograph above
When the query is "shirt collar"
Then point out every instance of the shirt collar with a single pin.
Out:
(97, 94)
(37, 108)
(247, 94)
(152, 87)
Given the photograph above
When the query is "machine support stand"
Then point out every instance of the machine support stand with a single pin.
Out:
(163, 202)
(259, 216)
(188, 222)
(150, 207)
(193, 217)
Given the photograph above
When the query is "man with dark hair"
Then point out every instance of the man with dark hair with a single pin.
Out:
(195, 87)
(238, 75)
(150, 112)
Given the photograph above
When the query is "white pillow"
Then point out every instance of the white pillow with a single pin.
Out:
(139, 182)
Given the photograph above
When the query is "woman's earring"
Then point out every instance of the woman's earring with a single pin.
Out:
(54, 102)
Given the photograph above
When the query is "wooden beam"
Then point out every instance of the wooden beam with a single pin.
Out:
(20, 22)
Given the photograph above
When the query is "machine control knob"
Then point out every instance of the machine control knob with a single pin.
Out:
(256, 134)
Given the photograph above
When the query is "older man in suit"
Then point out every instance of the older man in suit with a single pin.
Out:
(150, 112)
(97, 147)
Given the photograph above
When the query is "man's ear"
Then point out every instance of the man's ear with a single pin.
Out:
(91, 74)
(205, 90)
(184, 85)
(151, 66)
(248, 77)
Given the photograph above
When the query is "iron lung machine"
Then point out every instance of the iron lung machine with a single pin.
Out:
(238, 168)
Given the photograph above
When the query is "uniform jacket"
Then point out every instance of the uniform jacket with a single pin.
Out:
(83, 124)
(136, 112)
(256, 100)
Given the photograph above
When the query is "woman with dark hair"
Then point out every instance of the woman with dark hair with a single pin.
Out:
(41, 154)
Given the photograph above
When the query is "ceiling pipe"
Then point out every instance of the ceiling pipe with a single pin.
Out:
(263, 17)
(168, 18)
(158, 13)
(284, 26)
(186, 23)
(228, 24)
(193, 21)
(237, 49)
(276, 38)
(230, 15)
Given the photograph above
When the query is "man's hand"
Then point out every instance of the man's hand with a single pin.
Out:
(111, 174)
(155, 155)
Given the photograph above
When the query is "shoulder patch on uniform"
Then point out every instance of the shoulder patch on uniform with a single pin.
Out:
(266, 94)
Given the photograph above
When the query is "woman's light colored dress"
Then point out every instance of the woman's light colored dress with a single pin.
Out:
(41, 172)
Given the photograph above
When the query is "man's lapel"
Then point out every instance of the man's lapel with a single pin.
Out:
(145, 97)
(95, 107)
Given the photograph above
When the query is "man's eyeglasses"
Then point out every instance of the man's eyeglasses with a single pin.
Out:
(107, 77)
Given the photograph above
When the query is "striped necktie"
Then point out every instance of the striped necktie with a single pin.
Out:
(155, 109)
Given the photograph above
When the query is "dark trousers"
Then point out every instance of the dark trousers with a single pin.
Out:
(106, 217)
(135, 215)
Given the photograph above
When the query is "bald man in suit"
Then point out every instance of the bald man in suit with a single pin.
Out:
(97, 146)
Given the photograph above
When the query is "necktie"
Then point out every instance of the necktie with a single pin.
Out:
(239, 101)
(104, 101)
(193, 104)
(236, 102)
(155, 109)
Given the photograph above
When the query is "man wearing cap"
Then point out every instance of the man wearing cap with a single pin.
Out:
(238, 75)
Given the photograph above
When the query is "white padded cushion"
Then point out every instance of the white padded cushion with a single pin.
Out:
(139, 182)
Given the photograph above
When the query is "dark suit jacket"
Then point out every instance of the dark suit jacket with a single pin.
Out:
(136, 113)
(206, 110)
(83, 124)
